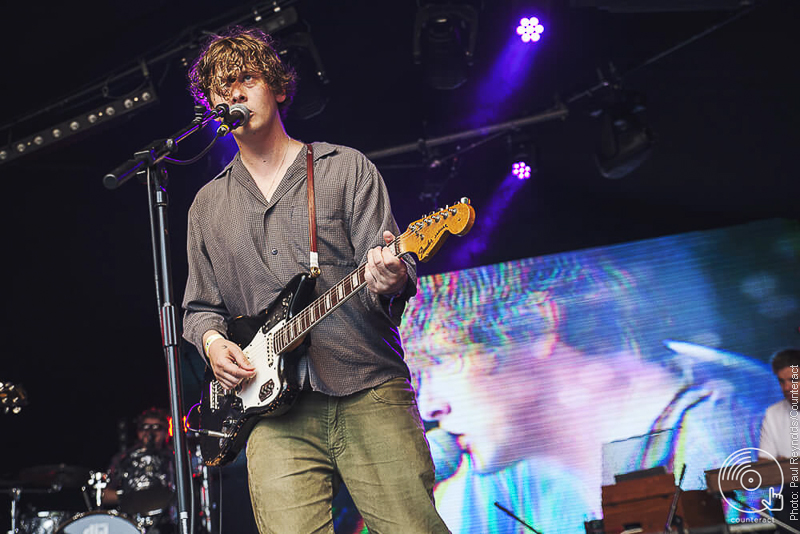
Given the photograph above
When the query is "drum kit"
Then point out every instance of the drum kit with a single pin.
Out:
(67, 499)
(145, 496)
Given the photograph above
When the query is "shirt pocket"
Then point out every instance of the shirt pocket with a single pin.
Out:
(333, 237)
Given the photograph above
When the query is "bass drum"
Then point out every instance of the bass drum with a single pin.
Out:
(100, 522)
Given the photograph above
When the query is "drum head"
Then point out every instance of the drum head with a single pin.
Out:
(99, 522)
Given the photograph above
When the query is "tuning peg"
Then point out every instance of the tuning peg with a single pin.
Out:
(464, 200)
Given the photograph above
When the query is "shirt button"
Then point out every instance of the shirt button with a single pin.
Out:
(274, 251)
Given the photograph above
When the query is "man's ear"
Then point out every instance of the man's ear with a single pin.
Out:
(280, 97)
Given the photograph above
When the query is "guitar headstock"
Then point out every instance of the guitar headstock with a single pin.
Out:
(425, 236)
(12, 397)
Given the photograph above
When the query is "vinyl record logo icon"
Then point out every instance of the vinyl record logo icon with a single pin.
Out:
(738, 469)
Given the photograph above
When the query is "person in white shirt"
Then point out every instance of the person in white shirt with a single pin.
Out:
(776, 428)
(781, 424)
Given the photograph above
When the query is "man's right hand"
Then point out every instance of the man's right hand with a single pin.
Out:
(228, 362)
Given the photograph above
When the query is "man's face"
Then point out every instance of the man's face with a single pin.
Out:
(788, 380)
(152, 431)
(484, 404)
(251, 90)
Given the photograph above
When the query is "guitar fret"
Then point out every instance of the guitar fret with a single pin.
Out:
(340, 291)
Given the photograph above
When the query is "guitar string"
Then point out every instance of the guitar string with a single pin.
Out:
(306, 314)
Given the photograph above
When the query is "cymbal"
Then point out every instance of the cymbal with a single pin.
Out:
(61, 475)
(12, 487)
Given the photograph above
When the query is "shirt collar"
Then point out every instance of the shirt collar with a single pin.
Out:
(321, 150)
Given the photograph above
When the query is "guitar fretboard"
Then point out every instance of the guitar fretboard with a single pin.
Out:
(300, 324)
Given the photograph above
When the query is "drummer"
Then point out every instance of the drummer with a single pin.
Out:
(152, 432)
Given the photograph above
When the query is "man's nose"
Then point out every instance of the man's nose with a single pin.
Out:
(237, 95)
(432, 406)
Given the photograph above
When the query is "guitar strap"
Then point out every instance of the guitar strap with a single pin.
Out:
(312, 213)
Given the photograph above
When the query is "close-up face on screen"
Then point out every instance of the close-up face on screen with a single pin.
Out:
(540, 380)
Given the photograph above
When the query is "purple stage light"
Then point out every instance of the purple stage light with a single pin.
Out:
(521, 170)
(530, 29)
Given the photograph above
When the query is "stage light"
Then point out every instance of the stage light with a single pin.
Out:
(298, 50)
(79, 125)
(625, 139)
(444, 43)
(522, 154)
(530, 29)
(521, 170)
(296, 47)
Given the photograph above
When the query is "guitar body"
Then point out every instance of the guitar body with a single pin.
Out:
(231, 415)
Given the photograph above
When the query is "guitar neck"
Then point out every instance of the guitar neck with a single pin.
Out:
(422, 238)
(299, 325)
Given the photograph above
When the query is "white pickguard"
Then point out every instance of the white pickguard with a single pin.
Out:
(257, 391)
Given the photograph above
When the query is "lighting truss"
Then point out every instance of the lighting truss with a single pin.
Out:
(79, 124)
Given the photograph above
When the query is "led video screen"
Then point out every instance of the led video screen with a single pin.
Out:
(540, 379)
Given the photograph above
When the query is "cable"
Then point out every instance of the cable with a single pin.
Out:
(661, 55)
(196, 158)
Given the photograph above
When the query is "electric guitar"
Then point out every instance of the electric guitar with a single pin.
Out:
(269, 339)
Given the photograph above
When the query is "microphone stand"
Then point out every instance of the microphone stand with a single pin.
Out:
(515, 518)
(671, 517)
(150, 163)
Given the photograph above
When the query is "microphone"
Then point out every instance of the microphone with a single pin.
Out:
(445, 452)
(237, 115)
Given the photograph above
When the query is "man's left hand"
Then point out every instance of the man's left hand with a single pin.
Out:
(386, 274)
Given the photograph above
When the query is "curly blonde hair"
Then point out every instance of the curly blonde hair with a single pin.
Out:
(238, 50)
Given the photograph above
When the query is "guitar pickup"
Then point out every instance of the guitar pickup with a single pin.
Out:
(214, 393)
(266, 390)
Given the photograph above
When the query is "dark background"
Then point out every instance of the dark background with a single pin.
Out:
(82, 333)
